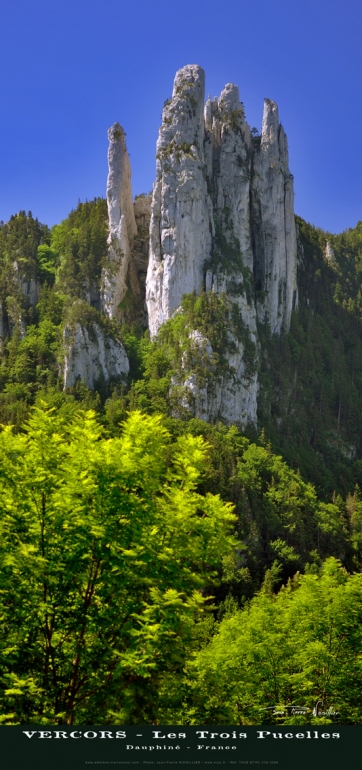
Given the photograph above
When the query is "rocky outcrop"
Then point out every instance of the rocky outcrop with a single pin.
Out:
(229, 394)
(222, 221)
(228, 145)
(181, 219)
(228, 162)
(16, 309)
(90, 355)
(329, 253)
(122, 223)
(30, 289)
(273, 225)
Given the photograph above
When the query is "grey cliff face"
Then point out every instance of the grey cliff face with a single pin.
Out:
(90, 354)
(181, 219)
(228, 160)
(25, 291)
(273, 225)
(222, 221)
(329, 254)
(122, 223)
(220, 190)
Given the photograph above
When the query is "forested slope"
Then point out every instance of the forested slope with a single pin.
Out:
(278, 503)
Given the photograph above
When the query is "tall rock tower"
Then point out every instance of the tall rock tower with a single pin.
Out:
(122, 223)
(181, 219)
(228, 166)
(228, 271)
(273, 225)
(222, 222)
(221, 227)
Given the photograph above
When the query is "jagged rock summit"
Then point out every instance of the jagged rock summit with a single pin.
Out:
(221, 226)
(220, 191)
(273, 224)
(222, 221)
(181, 219)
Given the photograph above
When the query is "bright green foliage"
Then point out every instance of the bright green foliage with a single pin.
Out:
(30, 359)
(310, 380)
(282, 517)
(111, 538)
(47, 258)
(354, 510)
(295, 648)
(105, 548)
(281, 521)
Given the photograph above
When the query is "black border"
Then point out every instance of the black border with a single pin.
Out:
(83, 747)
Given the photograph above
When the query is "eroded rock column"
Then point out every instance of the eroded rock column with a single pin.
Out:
(273, 225)
(122, 223)
(180, 230)
(228, 148)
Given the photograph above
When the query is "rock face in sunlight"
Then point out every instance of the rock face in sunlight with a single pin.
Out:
(273, 225)
(122, 222)
(181, 220)
(222, 221)
(91, 356)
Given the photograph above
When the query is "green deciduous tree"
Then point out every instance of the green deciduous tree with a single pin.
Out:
(295, 648)
(105, 550)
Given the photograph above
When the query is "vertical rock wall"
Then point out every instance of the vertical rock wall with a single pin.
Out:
(91, 355)
(228, 273)
(228, 162)
(181, 221)
(222, 221)
(220, 195)
(122, 223)
(273, 225)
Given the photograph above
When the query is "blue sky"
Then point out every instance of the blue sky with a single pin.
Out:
(69, 69)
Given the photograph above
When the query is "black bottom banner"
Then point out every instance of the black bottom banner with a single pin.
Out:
(298, 747)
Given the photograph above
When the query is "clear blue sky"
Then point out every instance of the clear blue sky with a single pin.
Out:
(71, 68)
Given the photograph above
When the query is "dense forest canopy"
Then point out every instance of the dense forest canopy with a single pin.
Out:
(144, 551)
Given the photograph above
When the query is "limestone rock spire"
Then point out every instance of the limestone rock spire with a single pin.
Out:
(122, 223)
(228, 162)
(180, 232)
(229, 272)
(273, 225)
(222, 221)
